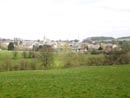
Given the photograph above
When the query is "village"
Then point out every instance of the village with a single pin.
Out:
(85, 46)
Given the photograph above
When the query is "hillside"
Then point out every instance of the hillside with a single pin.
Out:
(127, 38)
(100, 38)
(81, 82)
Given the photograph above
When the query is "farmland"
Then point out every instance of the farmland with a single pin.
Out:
(81, 82)
(77, 81)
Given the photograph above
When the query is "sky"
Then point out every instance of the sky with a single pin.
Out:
(64, 19)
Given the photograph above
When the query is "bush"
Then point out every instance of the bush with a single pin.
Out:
(46, 56)
(128, 56)
(31, 54)
(32, 65)
(23, 65)
(15, 54)
(96, 51)
(117, 57)
(96, 61)
(74, 60)
(24, 54)
(7, 66)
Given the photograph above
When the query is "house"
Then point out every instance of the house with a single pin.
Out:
(4, 43)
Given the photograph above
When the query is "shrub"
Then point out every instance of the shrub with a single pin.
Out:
(31, 54)
(23, 65)
(15, 67)
(94, 51)
(15, 54)
(46, 56)
(74, 59)
(96, 61)
(128, 56)
(117, 57)
(24, 54)
(32, 65)
(7, 66)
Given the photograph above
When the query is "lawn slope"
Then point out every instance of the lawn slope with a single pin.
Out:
(82, 82)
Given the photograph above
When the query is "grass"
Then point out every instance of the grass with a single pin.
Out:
(5, 53)
(81, 82)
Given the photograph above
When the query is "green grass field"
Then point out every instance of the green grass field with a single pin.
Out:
(80, 82)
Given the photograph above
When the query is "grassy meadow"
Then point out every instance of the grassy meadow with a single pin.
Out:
(79, 82)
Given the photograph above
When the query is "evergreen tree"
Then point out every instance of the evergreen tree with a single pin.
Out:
(11, 46)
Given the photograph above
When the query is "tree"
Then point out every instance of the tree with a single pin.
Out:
(15, 54)
(125, 47)
(11, 46)
(0, 42)
(100, 48)
(46, 56)
(24, 54)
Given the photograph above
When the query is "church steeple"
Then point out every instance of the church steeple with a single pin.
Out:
(44, 39)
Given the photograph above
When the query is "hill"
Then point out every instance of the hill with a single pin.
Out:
(127, 38)
(100, 38)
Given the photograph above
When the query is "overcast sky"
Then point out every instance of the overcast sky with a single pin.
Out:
(64, 19)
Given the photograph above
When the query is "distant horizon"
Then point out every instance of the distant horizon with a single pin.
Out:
(61, 39)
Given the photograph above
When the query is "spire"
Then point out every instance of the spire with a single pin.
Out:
(44, 39)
